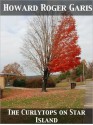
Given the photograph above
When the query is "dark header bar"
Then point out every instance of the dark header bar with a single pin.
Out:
(46, 7)
(46, 116)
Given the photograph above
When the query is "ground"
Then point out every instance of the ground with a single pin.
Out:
(34, 98)
(89, 95)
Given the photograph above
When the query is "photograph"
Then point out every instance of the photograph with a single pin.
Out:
(46, 62)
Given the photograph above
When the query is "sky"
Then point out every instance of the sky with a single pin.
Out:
(13, 30)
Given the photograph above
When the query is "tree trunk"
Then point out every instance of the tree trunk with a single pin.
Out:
(1, 93)
(45, 79)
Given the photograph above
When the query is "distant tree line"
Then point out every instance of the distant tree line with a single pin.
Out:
(80, 73)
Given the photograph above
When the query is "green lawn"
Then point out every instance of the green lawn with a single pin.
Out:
(60, 99)
(54, 98)
(67, 84)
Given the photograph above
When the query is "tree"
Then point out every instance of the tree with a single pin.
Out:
(80, 71)
(14, 68)
(51, 47)
(63, 75)
(65, 51)
(90, 70)
(37, 45)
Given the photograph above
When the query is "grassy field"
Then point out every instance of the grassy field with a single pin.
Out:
(67, 84)
(59, 97)
(34, 98)
(55, 98)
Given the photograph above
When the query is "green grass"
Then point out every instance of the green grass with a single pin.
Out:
(67, 99)
(60, 99)
(67, 84)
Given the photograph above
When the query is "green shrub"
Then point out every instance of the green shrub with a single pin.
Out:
(19, 83)
(62, 76)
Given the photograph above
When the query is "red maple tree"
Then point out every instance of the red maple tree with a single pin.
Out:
(52, 47)
(65, 50)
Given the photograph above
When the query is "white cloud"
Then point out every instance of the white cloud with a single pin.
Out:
(85, 31)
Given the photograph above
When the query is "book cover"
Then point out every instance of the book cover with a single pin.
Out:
(46, 61)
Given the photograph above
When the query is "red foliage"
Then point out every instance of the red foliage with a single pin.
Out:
(80, 79)
(65, 51)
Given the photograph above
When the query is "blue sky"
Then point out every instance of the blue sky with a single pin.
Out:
(13, 29)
